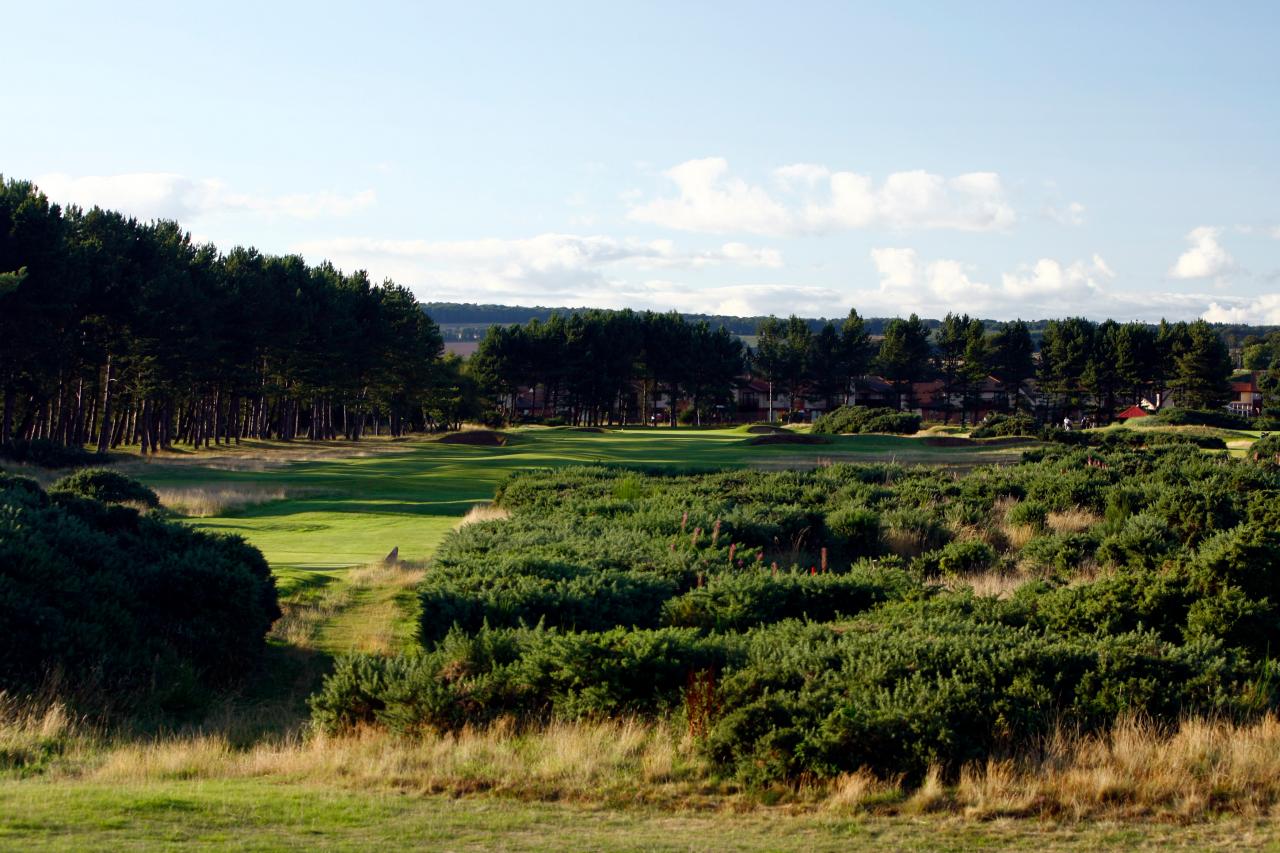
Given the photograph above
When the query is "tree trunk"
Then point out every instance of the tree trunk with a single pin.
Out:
(6, 419)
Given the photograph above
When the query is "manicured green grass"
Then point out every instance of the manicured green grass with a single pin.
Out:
(260, 814)
(351, 511)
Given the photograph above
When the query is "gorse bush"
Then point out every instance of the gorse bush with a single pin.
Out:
(1004, 426)
(1194, 417)
(122, 606)
(861, 419)
(812, 623)
(101, 484)
(48, 454)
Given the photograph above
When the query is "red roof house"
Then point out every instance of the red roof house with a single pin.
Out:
(1133, 412)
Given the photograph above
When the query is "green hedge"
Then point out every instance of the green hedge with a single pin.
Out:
(117, 607)
(861, 419)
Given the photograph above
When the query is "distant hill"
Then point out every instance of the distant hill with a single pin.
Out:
(466, 321)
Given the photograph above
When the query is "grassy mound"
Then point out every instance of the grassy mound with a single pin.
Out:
(477, 438)
(785, 437)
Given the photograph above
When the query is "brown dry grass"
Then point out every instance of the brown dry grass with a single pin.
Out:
(1202, 769)
(207, 501)
(1075, 520)
(994, 583)
(483, 512)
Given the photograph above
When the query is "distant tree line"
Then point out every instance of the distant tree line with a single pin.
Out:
(591, 362)
(470, 322)
(610, 366)
(115, 331)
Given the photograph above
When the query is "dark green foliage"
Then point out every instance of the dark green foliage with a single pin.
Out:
(735, 602)
(111, 604)
(957, 559)
(1197, 417)
(854, 530)
(534, 673)
(860, 419)
(1000, 426)
(910, 687)
(123, 332)
(1266, 450)
(100, 484)
(49, 454)
(1029, 514)
(615, 592)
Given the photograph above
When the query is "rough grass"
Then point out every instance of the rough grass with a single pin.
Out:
(363, 610)
(1204, 769)
(483, 512)
(203, 502)
(1074, 520)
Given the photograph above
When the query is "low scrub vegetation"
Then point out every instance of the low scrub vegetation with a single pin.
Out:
(861, 419)
(104, 604)
(812, 625)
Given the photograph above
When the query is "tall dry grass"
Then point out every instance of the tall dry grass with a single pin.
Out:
(483, 512)
(207, 501)
(1201, 769)
(1075, 520)
(992, 583)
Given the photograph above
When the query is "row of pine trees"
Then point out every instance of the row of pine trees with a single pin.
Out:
(115, 331)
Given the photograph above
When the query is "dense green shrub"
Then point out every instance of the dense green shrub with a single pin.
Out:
(854, 530)
(732, 596)
(861, 419)
(101, 484)
(957, 559)
(1193, 417)
(1001, 426)
(1028, 514)
(107, 599)
(1266, 449)
(49, 454)
(902, 690)
(735, 602)
(533, 673)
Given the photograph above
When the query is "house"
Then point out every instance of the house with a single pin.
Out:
(933, 401)
(1246, 397)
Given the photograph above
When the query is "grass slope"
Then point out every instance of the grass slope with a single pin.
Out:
(261, 815)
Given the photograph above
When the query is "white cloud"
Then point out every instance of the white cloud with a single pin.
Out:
(1206, 258)
(1046, 288)
(165, 195)
(904, 279)
(709, 199)
(1048, 279)
(548, 267)
(1070, 214)
(1264, 309)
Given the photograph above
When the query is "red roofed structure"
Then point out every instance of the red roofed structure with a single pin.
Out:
(1132, 412)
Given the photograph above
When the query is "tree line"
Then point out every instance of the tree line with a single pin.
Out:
(609, 366)
(115, 331)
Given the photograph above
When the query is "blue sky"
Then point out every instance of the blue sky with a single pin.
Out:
(1006, 160)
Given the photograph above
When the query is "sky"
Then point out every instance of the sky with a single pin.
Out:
(1000, 159)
